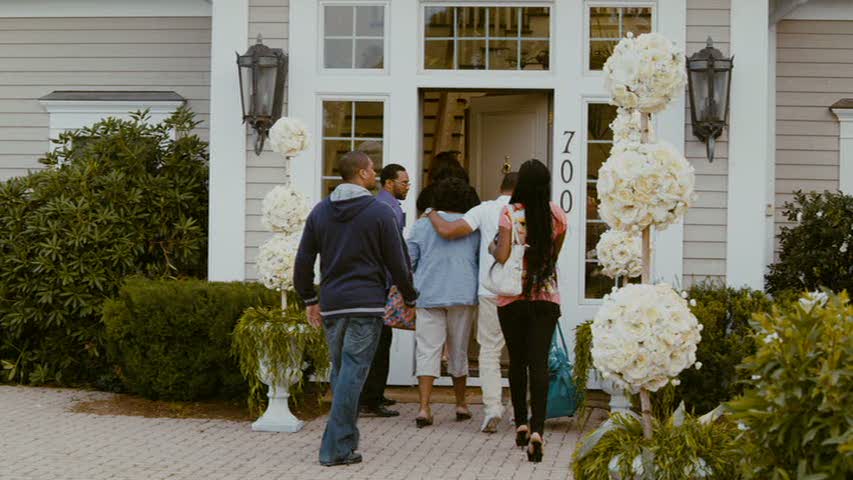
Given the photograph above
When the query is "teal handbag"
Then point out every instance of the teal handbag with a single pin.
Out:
(562, 395)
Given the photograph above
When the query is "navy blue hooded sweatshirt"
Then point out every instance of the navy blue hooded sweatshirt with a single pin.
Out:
(359, 245)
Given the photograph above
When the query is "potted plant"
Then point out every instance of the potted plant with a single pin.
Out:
(273, 345)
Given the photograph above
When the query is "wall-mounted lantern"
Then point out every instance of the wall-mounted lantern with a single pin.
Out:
(709, 77)
(262, 71)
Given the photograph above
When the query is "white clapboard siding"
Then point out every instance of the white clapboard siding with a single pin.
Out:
(705, 223)
(814, 70)
(40, 55)
(270, 19)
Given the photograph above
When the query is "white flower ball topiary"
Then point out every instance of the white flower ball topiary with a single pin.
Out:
(288, 136)
(276, 258)
(284, 210)
(620, 254)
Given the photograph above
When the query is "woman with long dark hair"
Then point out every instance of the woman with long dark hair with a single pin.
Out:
(528, 320)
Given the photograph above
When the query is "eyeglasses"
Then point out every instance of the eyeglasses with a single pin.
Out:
(405, 183)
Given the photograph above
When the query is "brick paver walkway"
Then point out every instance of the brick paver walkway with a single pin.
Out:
(40, 439)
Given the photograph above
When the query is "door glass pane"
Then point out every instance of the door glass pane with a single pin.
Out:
(504, 22)
(535, 55)
(597, 284)
(339, 136)
(369, 53)
(338, 21)
(535, 22)
(636, 21)
(603, 22)
(370, 21)
(439, 22)
(601, 115)
(470, 22)
(338, 53)
(472, 54)
(599, 52)
(607, 25)
(503, 55)
(438, 54)
(599, 143)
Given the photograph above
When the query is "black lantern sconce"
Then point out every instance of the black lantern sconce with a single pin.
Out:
(262, 71)
(709, 77)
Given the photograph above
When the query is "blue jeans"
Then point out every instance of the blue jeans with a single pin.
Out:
(352, 343)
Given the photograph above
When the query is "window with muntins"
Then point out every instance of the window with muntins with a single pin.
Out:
(350, 125)
(354, 37)
(608, 25)
(486, 38)
(598, 144)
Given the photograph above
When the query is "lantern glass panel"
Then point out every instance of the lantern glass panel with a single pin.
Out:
(699, 92)
(721, 91)
(266, 91)
(246, 79)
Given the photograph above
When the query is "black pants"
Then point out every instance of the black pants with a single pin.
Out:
(528, 327)
(377, 378)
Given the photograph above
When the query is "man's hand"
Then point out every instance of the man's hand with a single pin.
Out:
(313, 312)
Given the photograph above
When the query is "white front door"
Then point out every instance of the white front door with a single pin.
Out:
(506, 128)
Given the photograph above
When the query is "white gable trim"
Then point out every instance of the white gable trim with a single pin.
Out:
(845, 149)
(105, 8)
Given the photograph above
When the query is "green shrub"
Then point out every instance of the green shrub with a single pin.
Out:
(171, 339)
(126, 199)
(725, 314)
(286, 339)
(818, 251)
(799, 413)
(682, 448)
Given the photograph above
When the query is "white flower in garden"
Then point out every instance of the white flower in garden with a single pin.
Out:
(771, 338)
(692, 302)
(284, 210)
(627, 127)
(755, 377)
(811, 299)
(799, 216)
(843, 248)
(643, 336)
(645, 184)
(742, 426)
(646, 72)
(620, 254)
(820, 214)
(288, 136)
(276, 258)
(698, 365)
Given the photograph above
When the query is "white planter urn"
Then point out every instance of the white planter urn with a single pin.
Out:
(620, 402)
(278, 417)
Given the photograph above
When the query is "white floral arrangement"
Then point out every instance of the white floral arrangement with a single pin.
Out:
(646, 72)
(627, 127)
(620, 254)
(276, 258)
(643, 336)
(289, 137)
(284, 210)
(645, 184)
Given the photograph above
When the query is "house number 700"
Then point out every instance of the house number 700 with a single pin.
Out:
(566, 200)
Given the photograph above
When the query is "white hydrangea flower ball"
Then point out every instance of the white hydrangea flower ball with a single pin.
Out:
(289, 136)
(276, 258)
(620, 254)
(284, 210)
(643, 336)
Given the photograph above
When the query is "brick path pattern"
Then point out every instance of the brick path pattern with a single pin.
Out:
(40, 439)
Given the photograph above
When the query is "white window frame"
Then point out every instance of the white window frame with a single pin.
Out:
(423, 5)
(589, 4)
(385, 99)
(321, 37)
(845, 149)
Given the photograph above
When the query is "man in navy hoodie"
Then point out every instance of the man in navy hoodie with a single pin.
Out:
(359, 244)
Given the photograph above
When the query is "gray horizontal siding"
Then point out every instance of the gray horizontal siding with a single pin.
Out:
(271, 19)
(705, 222)
(40, 55)
(814, 69)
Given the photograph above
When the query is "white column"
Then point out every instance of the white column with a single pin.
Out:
(750, 158)
(227, 237)
(668, 257)
(845, 146)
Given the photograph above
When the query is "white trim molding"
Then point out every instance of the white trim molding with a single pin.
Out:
(71, 110)
(844, 111)
(105, 8)
(750, 158)
(821, 10)
(227, 217)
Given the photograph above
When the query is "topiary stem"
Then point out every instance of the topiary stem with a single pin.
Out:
(646, 404)
(284, 300)
(647, 255)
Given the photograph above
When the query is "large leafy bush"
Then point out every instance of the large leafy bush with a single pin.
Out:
(818, 251)
(171, 339)
(799, 415)
(118, 198)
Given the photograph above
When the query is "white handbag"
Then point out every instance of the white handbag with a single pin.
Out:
(506, 279)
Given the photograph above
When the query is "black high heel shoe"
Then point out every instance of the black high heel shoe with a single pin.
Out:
(534, 452)
(522, 438)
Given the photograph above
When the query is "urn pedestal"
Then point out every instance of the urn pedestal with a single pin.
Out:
(278, 417)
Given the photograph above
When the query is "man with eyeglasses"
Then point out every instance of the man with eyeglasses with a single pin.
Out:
(394, 181)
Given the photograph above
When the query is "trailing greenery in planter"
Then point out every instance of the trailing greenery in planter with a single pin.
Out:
(171, 339)
(118, 198)
(799, 411)
(285, 340)
(818, 251)
(682, 448)
(583, 364)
